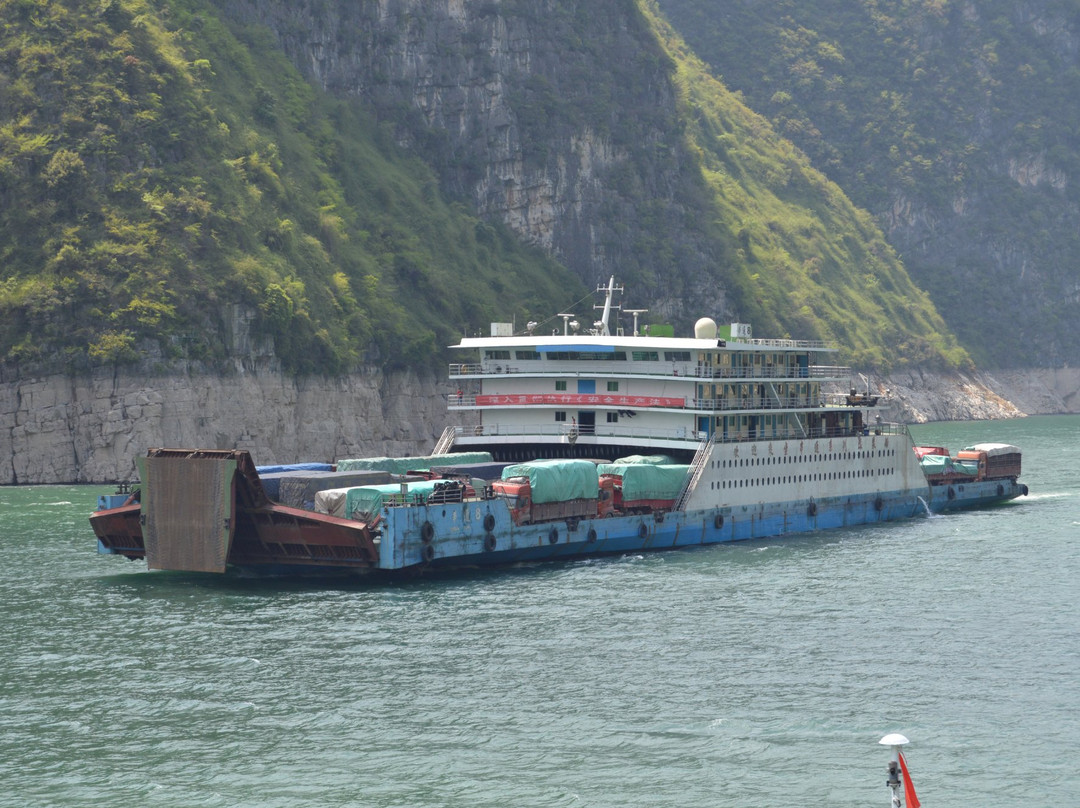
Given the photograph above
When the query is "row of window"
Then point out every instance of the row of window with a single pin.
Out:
(750, 482)
(612, 417)
(560, 386)
(769, 460)
(591, 356)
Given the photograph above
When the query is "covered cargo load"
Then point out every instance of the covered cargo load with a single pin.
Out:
(294, 467)
(934, 465)
(997, 461)
(557, 480)
(366, 501)
(648, 482)
(482, 471)
(297, 489)
(403, 465)
(638, 460)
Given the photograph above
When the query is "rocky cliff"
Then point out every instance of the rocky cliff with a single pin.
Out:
(59, 428)
(63, 429)
(556, 118)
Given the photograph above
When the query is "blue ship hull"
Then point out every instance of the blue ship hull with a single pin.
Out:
(460, 537)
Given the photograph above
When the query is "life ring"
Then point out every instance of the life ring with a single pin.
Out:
(643, 530)
(878, 504)
(1000, 490)
(553, 535)
(427, 532)
(427, 552)
(489, 542)
(811, 509)
(718, 521)
(591, 535)
(951, 493)
(489, 522)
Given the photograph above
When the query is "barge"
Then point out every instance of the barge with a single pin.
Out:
(743, 436)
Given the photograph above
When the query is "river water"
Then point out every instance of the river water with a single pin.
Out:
(754, 674)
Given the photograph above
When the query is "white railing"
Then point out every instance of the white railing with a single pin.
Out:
(671, 370)
(690, 436)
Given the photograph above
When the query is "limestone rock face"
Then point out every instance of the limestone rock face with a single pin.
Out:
(58, 428)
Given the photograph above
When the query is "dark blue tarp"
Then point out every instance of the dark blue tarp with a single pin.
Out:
(297, 488)
(295, 467)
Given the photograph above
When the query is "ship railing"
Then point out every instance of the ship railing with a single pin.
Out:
(754, 403)
(691, 436)
(812, 344)
(747, 404)
(672, 370)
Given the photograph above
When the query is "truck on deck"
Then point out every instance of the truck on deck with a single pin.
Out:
(549, 490)
(996, 461)
(644, 488)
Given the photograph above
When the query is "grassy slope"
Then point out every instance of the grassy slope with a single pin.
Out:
(810, 263)
(156, 167)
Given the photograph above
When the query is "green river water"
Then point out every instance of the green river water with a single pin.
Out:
(755, 674)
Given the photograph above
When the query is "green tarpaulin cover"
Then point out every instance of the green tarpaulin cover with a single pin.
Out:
(943, 464)
(368, 500)
(557, 480)
(647, 481)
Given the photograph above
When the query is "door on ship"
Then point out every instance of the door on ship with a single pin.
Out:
(586, 422)
(704, 425)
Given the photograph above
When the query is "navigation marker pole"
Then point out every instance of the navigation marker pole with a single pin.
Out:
(898, 772)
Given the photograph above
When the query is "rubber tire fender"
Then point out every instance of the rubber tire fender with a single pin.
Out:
(489, 522)
(718, 521)
(553, 535)
(811, 509)
(427, 532)
(490, 542)
(427, 553)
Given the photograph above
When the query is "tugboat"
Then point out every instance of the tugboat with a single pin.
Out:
(571, 443)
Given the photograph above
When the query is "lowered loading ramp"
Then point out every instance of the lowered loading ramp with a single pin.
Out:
(205, 510)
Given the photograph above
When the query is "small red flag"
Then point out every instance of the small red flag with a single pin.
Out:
(910, 800)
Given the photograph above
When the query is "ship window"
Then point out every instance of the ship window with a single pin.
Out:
(497, 354)
(676, 356)
(560, 415)
(560, 385)
(613, 417)
(644, 356)
(526, 355)
(613, 387)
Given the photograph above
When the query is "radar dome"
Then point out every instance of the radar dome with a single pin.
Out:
(705, 328)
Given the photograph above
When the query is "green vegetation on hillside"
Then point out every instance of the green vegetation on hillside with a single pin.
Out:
(954, 122)
(158, 167)
(808, 262)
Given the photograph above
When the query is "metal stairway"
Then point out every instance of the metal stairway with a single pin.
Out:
(445, 442)
(697, 466)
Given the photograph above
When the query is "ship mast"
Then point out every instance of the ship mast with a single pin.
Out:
(609, 291)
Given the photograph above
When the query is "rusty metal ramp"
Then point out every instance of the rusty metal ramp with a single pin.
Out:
(187, 508)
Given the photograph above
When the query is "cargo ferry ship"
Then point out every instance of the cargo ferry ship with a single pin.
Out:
(576, 442)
